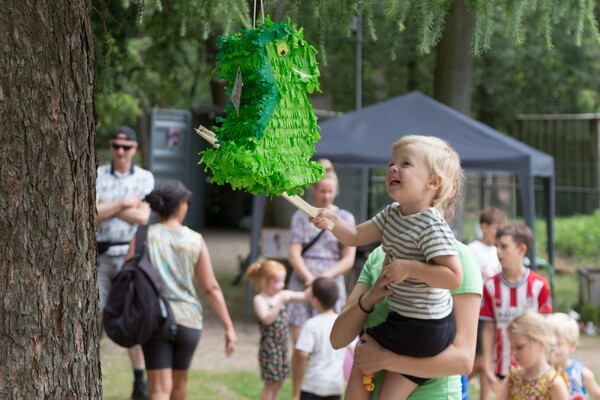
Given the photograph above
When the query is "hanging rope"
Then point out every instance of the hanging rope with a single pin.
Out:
(262, 12)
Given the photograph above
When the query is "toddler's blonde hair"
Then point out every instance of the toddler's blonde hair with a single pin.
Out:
(261, 273)
(443, 162)
(567, 327)
(535, 327)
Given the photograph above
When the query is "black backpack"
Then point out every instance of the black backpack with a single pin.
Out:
(135, 310)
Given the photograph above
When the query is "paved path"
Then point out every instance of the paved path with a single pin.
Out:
(226, 247)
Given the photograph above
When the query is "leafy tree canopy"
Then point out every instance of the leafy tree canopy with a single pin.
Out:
(207, 16)
(158, 53)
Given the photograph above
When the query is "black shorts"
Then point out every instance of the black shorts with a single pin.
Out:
(174, 354)
(310, 396)
(414, 337)
(478, 348)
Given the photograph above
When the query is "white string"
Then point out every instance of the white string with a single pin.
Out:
(254, 15)
(262, 10)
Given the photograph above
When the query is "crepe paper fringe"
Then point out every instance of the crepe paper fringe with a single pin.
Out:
(266, 147)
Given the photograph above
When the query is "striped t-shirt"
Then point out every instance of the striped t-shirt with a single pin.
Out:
(420, 237)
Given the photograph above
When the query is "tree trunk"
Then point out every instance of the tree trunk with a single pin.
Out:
(49, 330)
(454, 69)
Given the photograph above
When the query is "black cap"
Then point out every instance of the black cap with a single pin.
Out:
(124, 132)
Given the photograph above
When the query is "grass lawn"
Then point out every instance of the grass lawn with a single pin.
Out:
(117, 380)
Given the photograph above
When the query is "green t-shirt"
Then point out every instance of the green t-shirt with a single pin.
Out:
(438, 388)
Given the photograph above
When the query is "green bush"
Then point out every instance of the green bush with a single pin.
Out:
(589, 312)
(577, 237)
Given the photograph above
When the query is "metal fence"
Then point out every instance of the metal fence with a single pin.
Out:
(574, 142)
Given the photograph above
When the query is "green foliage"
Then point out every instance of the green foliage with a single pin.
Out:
(486, 14)
(431, 16)
(159, 52)
(578, 237)
(199, 16)
(115, 109)
(566, 291)
(533, 79)
(588, 312)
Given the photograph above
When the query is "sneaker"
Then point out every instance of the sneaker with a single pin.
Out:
(140, 390)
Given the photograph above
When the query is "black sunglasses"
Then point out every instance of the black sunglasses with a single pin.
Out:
(125, 147)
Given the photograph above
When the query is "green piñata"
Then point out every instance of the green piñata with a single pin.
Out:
(265, 146)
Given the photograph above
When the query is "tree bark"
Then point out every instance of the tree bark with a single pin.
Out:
(454, 69)
(49, 331)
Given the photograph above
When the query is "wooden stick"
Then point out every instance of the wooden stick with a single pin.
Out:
(207, 135)
(297, 201)
(302, 205)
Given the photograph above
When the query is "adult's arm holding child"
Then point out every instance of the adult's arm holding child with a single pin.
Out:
(351, 320)
(456, 359)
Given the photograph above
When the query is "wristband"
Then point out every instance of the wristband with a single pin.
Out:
(361, 306)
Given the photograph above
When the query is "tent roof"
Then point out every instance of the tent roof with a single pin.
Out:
(365, 137)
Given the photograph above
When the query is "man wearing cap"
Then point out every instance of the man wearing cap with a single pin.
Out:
(120, 189)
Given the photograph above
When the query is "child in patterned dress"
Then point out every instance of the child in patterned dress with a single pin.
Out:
(532, 341)
(270, 308)
(582, 383)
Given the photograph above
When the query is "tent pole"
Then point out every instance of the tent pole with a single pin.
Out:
(259, 205)
(528, 208)
(550, 201)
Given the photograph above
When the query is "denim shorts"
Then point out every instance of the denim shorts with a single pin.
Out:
(108, 268)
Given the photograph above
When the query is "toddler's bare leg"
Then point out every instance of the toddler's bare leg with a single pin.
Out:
(396, 387)
(271, 390)
(356, 389)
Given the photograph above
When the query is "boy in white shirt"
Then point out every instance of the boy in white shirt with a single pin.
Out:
(485, 249)
(317, 368)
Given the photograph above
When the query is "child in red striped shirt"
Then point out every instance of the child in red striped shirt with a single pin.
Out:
(515, 290)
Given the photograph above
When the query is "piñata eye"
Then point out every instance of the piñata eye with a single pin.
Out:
(282, 49)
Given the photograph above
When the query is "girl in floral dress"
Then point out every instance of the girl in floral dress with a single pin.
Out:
(531, 340)
(270, 308)
(326, 256)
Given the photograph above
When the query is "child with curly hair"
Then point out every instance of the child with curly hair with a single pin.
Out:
(270, 307)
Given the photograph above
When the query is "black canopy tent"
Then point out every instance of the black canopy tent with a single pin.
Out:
(364, 138)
